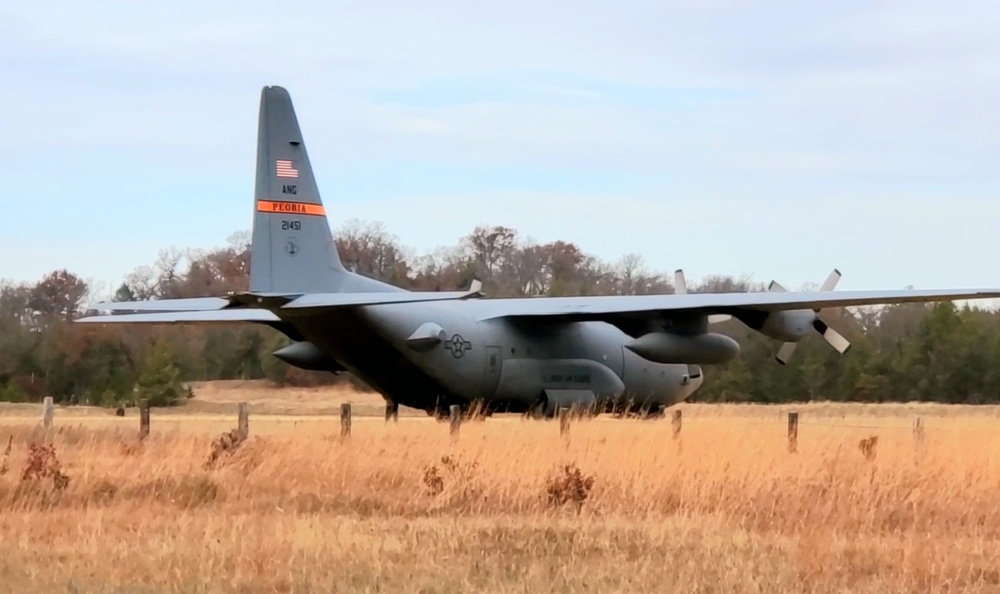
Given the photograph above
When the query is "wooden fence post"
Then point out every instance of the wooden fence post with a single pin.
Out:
(676, 422)
(793, 432)
(143, 419)
(48, 410)
(391, 412)
(345, 419)
(563, 421)
(918, 436)
(244, 420)
(455, 415)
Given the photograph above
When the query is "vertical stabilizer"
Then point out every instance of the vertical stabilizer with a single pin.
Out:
(293, 249)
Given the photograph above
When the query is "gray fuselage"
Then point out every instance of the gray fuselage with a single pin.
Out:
(459, 359)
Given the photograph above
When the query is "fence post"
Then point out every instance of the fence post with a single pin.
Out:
(48, 410)
(391, 412)
(455, 415)
(143, 419)
(345, 419)
(563, 421)
(793, 432)
(676, 422)
(244, 420)
(918, 436)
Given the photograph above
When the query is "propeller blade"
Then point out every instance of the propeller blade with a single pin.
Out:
(680, 284)
(785, 352)
(833, 337)
(719, 318)
(831, 281)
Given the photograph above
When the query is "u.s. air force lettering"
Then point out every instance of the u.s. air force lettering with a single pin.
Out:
(457, 346)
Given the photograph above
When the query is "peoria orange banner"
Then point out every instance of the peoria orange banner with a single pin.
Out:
(292, 208)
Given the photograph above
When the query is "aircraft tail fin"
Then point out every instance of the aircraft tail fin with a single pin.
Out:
(292, 248)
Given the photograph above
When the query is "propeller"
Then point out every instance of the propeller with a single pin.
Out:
(680, 288)
(680, 283)
(834, 338)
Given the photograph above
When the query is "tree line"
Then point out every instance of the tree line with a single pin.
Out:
(932, 352)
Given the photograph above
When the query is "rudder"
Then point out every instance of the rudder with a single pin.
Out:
(292, 250)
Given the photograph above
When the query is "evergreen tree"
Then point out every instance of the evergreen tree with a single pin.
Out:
(159, 381)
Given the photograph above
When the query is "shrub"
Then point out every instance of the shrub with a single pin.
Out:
(42, 464)
(569, 486)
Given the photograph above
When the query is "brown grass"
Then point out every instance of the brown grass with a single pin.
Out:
(510, 506)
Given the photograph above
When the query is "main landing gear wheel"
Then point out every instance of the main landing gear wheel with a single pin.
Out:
(651, 412)
(537, 410)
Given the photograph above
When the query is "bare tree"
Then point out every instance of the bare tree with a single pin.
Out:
(370, 250)
(491, 247)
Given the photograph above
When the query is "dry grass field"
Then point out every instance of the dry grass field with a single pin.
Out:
(507, 506)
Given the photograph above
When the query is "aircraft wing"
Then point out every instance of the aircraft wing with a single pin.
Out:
(639, 306)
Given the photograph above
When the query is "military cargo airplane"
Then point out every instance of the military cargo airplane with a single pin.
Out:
(431, 350)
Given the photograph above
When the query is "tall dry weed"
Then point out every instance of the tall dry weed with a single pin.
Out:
(5, 462)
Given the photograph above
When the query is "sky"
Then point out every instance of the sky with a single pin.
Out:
(769, 138)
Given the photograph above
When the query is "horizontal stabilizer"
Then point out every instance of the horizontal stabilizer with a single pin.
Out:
(334, 300)
(193, 304)
(237, 306)
(186, 317)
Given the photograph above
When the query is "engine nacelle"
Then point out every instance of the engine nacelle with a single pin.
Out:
(696, 349)
(305, 355)
(787, 326)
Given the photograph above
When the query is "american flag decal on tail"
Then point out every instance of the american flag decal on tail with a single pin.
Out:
(285, 168)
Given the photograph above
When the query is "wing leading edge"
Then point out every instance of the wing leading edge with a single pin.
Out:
(602, 307)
